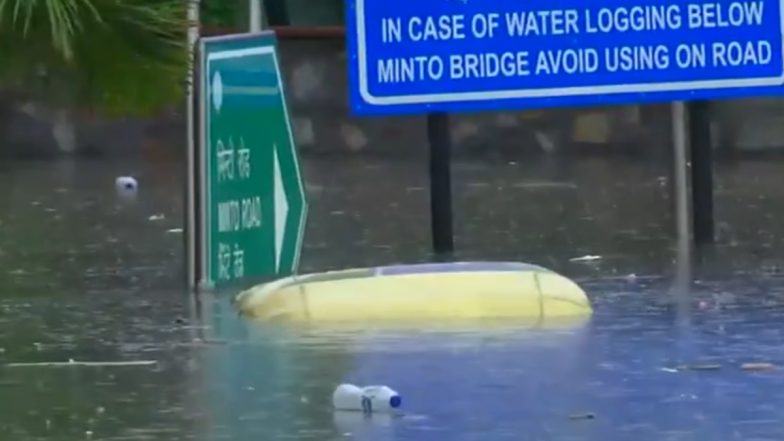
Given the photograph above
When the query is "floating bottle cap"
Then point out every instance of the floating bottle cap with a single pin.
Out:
(395, 401)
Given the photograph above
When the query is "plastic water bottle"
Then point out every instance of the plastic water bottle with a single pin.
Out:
(365, 399)
(126, 185)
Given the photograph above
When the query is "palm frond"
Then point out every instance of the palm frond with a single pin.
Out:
(115, 56)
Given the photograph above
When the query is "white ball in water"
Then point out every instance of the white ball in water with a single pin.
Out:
(126, 185)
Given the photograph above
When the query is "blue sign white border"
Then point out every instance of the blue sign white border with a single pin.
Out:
(360, 76)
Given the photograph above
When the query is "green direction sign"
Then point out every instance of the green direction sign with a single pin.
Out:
(252, 196)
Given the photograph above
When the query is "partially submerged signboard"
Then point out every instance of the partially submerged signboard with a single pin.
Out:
(449, 55)
(252, 200)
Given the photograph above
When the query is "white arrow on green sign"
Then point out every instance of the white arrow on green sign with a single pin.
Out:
(252, 199)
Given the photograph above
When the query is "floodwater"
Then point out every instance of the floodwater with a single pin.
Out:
(88, 276)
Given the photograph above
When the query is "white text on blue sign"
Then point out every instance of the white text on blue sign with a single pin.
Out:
(425, 51)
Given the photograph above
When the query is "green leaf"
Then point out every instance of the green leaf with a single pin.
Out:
(121, 57)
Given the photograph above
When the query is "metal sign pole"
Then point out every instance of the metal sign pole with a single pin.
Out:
(701, 154)
(440, 146)
(680, 137)
(190, 203)
(255, 14)
(680, 133)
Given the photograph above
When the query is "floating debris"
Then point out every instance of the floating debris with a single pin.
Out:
(757, 366)
(156, 217)
(175, 231)
(667, 369)
(73, 362)
(705, 367)
(544, 184)
(582, 416)
(126, 184)
(586, 258)
(699, 367)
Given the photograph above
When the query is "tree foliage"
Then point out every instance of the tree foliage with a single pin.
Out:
(221, 13)
(110, 56)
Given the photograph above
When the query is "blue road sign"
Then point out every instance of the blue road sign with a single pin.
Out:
(416, 56)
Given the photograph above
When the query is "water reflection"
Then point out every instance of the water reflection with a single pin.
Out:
(87, 276)
(466, 383)
(290, 372)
